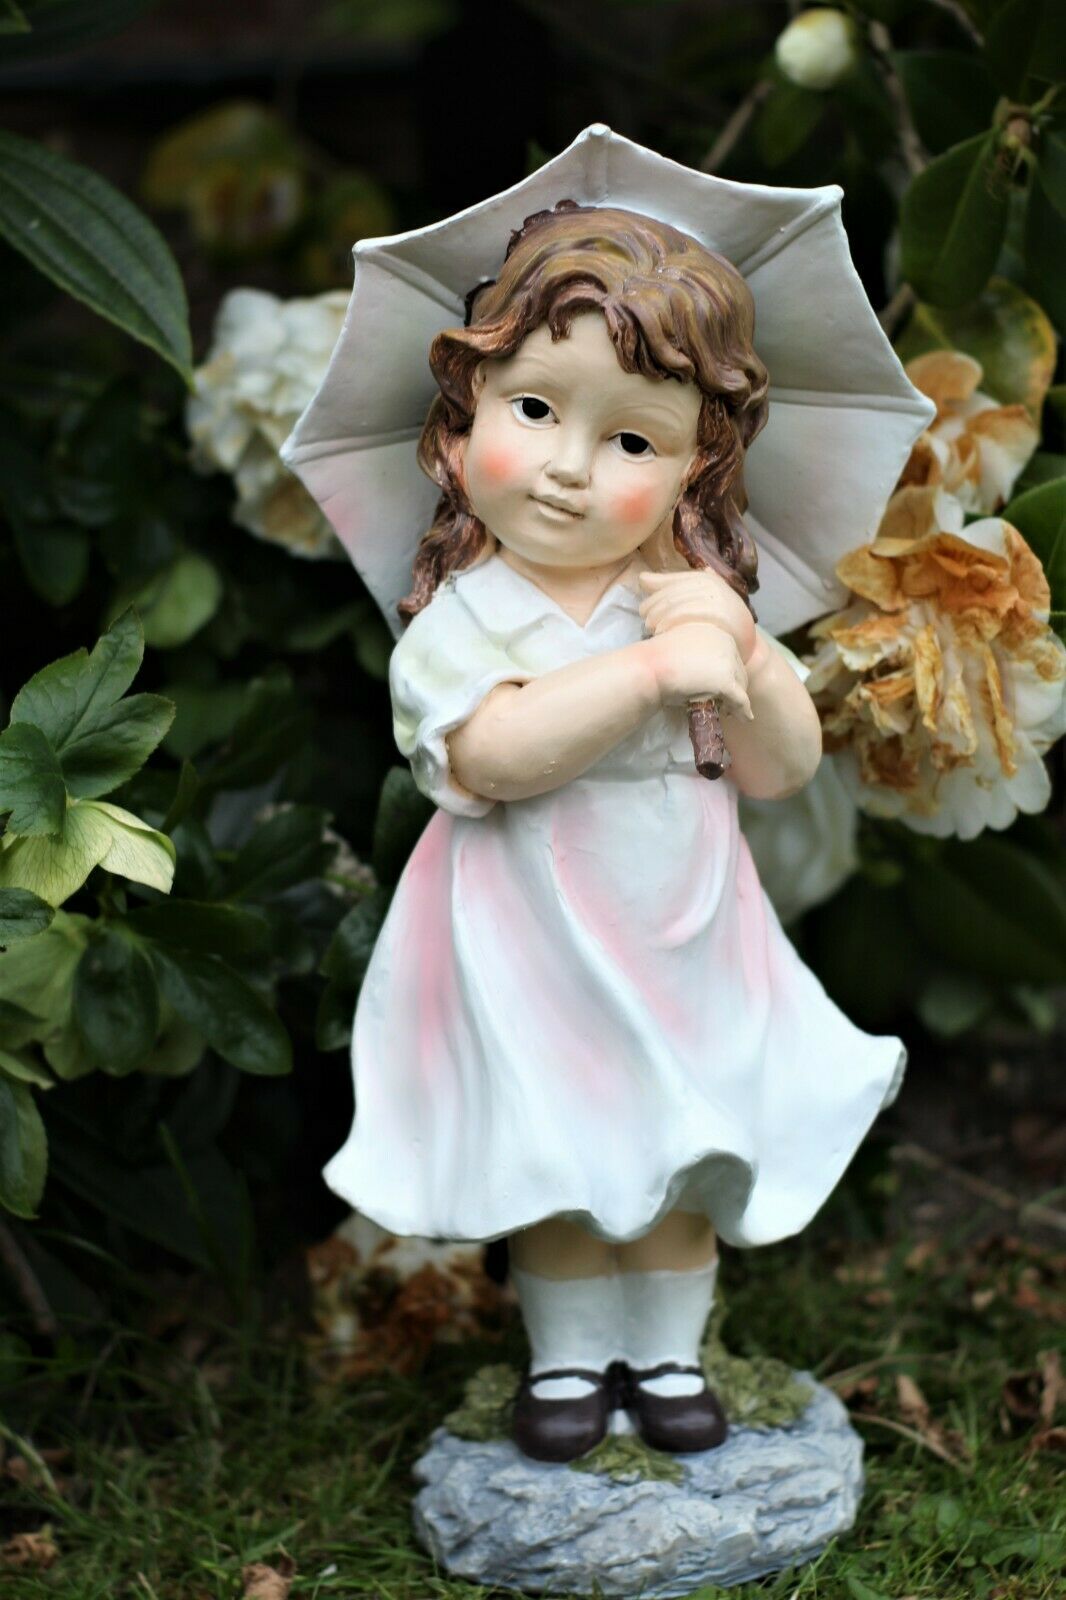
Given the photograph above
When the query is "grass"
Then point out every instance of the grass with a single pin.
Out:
(182, 1471)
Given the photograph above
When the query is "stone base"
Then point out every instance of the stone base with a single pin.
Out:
(764, 1500)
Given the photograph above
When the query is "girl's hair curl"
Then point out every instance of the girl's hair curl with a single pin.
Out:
(673, 310)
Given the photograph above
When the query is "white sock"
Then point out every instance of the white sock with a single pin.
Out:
(664, 1315)
(571, 1322)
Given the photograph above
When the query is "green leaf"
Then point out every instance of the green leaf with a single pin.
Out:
(952, 1003)
(116, 1002)
(268, 733)
(22, 915)
(990, 908)
(59, 25)
(121, 740)
(227, 1011)
(96, 834)
(23, 1149)
(786, 121)
(37, 974)
(953, 221)
(67, 698)
(1040, 517)
(950, 95)
(185, 793)
(1045, 251)
(31, 781)
(85, 236)
(12, 18)
(333, 1020)
(223, 930)
(24, 1069)
(402, 814)
(861, 918)
(54, 556)
(1051, 167)
(287, 849)
(1004, 329)
(349, 951)
(1025, 40)
(177, 602)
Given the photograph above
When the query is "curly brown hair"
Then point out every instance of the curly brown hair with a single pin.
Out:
(673, 309)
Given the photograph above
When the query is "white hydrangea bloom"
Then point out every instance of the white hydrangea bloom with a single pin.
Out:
(267, 358)
(817, 48)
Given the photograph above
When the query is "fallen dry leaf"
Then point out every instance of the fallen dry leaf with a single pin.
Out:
(27, 1550)
(915, 1413)
(264, 1582)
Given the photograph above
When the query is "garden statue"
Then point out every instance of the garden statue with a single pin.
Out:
(582, 1027)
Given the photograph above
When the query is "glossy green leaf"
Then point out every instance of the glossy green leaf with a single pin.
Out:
(333, 1019)
(990, 908)
(31, 781)
(95, 834)
(402, 814)
(1040, 517)
(66, 698)
(85, 236)
(287, 849)
(950, 95)
(1045, 252)
(952, 1003)
(37, 974)
(352, 945)
(1004, 329)
(953, 221)
(54, 554)
(59, 25)
(24, 1068)
(1051, 167)
(267, 734)
(12, 18)
(786, 121)
(22, 915)
(1025, 45)
(234, 1019)
(23, 1149)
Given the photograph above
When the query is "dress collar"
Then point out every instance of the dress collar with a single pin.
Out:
(503, 600)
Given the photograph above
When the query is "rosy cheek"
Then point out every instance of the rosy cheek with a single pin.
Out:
(497, 466)
(634, 506)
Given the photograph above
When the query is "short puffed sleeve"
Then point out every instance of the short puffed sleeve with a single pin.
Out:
(442, 668)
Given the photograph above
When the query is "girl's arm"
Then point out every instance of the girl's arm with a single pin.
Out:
(525, 739)
(779, 750)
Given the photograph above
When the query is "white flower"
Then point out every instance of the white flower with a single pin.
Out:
(267, 358)
(942, 685)
(804, 847)
(817, 48)
(975, 448)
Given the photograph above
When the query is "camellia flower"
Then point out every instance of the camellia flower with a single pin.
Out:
(804, 847)
(817, 48)
(266, 360)
(942, 684)
(975, 448)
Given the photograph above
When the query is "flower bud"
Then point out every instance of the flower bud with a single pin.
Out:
(817, 49)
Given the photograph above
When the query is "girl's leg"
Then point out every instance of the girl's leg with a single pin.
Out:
(568, 1287)
(667, 1280)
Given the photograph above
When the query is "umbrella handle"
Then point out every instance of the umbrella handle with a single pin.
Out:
(708, 741)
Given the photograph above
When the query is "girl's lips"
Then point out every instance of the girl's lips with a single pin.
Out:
(557, 505)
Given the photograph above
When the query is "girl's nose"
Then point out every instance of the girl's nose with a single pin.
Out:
(571, 460)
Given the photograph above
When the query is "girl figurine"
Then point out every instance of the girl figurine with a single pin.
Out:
(582, 1027)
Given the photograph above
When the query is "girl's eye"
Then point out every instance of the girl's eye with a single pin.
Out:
(634, 444)
(527, 408)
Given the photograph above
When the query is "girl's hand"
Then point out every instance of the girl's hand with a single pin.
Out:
(699, 661)
(679, 597)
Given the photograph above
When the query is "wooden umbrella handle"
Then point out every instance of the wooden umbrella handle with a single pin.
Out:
(708, 741)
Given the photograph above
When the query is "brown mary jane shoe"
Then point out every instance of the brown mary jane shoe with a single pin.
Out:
(561, 1430)
(679, 1423)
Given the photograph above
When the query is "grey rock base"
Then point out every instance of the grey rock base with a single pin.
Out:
(762, 1501)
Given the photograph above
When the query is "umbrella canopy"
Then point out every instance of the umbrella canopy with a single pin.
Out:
(843, 415)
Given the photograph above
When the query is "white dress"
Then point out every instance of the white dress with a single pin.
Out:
(583, 1005)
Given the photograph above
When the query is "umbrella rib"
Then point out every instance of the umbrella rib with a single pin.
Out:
(834, 400)
(824, 206)
(352, 443)
(417, 279)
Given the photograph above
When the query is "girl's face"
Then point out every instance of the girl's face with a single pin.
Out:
(572, 462)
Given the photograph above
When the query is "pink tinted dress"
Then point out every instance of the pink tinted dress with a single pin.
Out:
(582, 1005)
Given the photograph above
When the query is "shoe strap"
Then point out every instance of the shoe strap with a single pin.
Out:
(665, 1368)
(567, 1372)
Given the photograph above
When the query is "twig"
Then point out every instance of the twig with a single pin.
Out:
(954, 9)
(737, 123)
(897, 309)
(1031, 1210)
(910, 144)
(27, 1283)
(914, 1436)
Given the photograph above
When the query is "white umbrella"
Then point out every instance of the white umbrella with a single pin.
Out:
(843, 415)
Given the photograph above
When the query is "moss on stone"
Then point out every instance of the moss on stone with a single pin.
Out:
(626, 1458)
(485, 1412)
